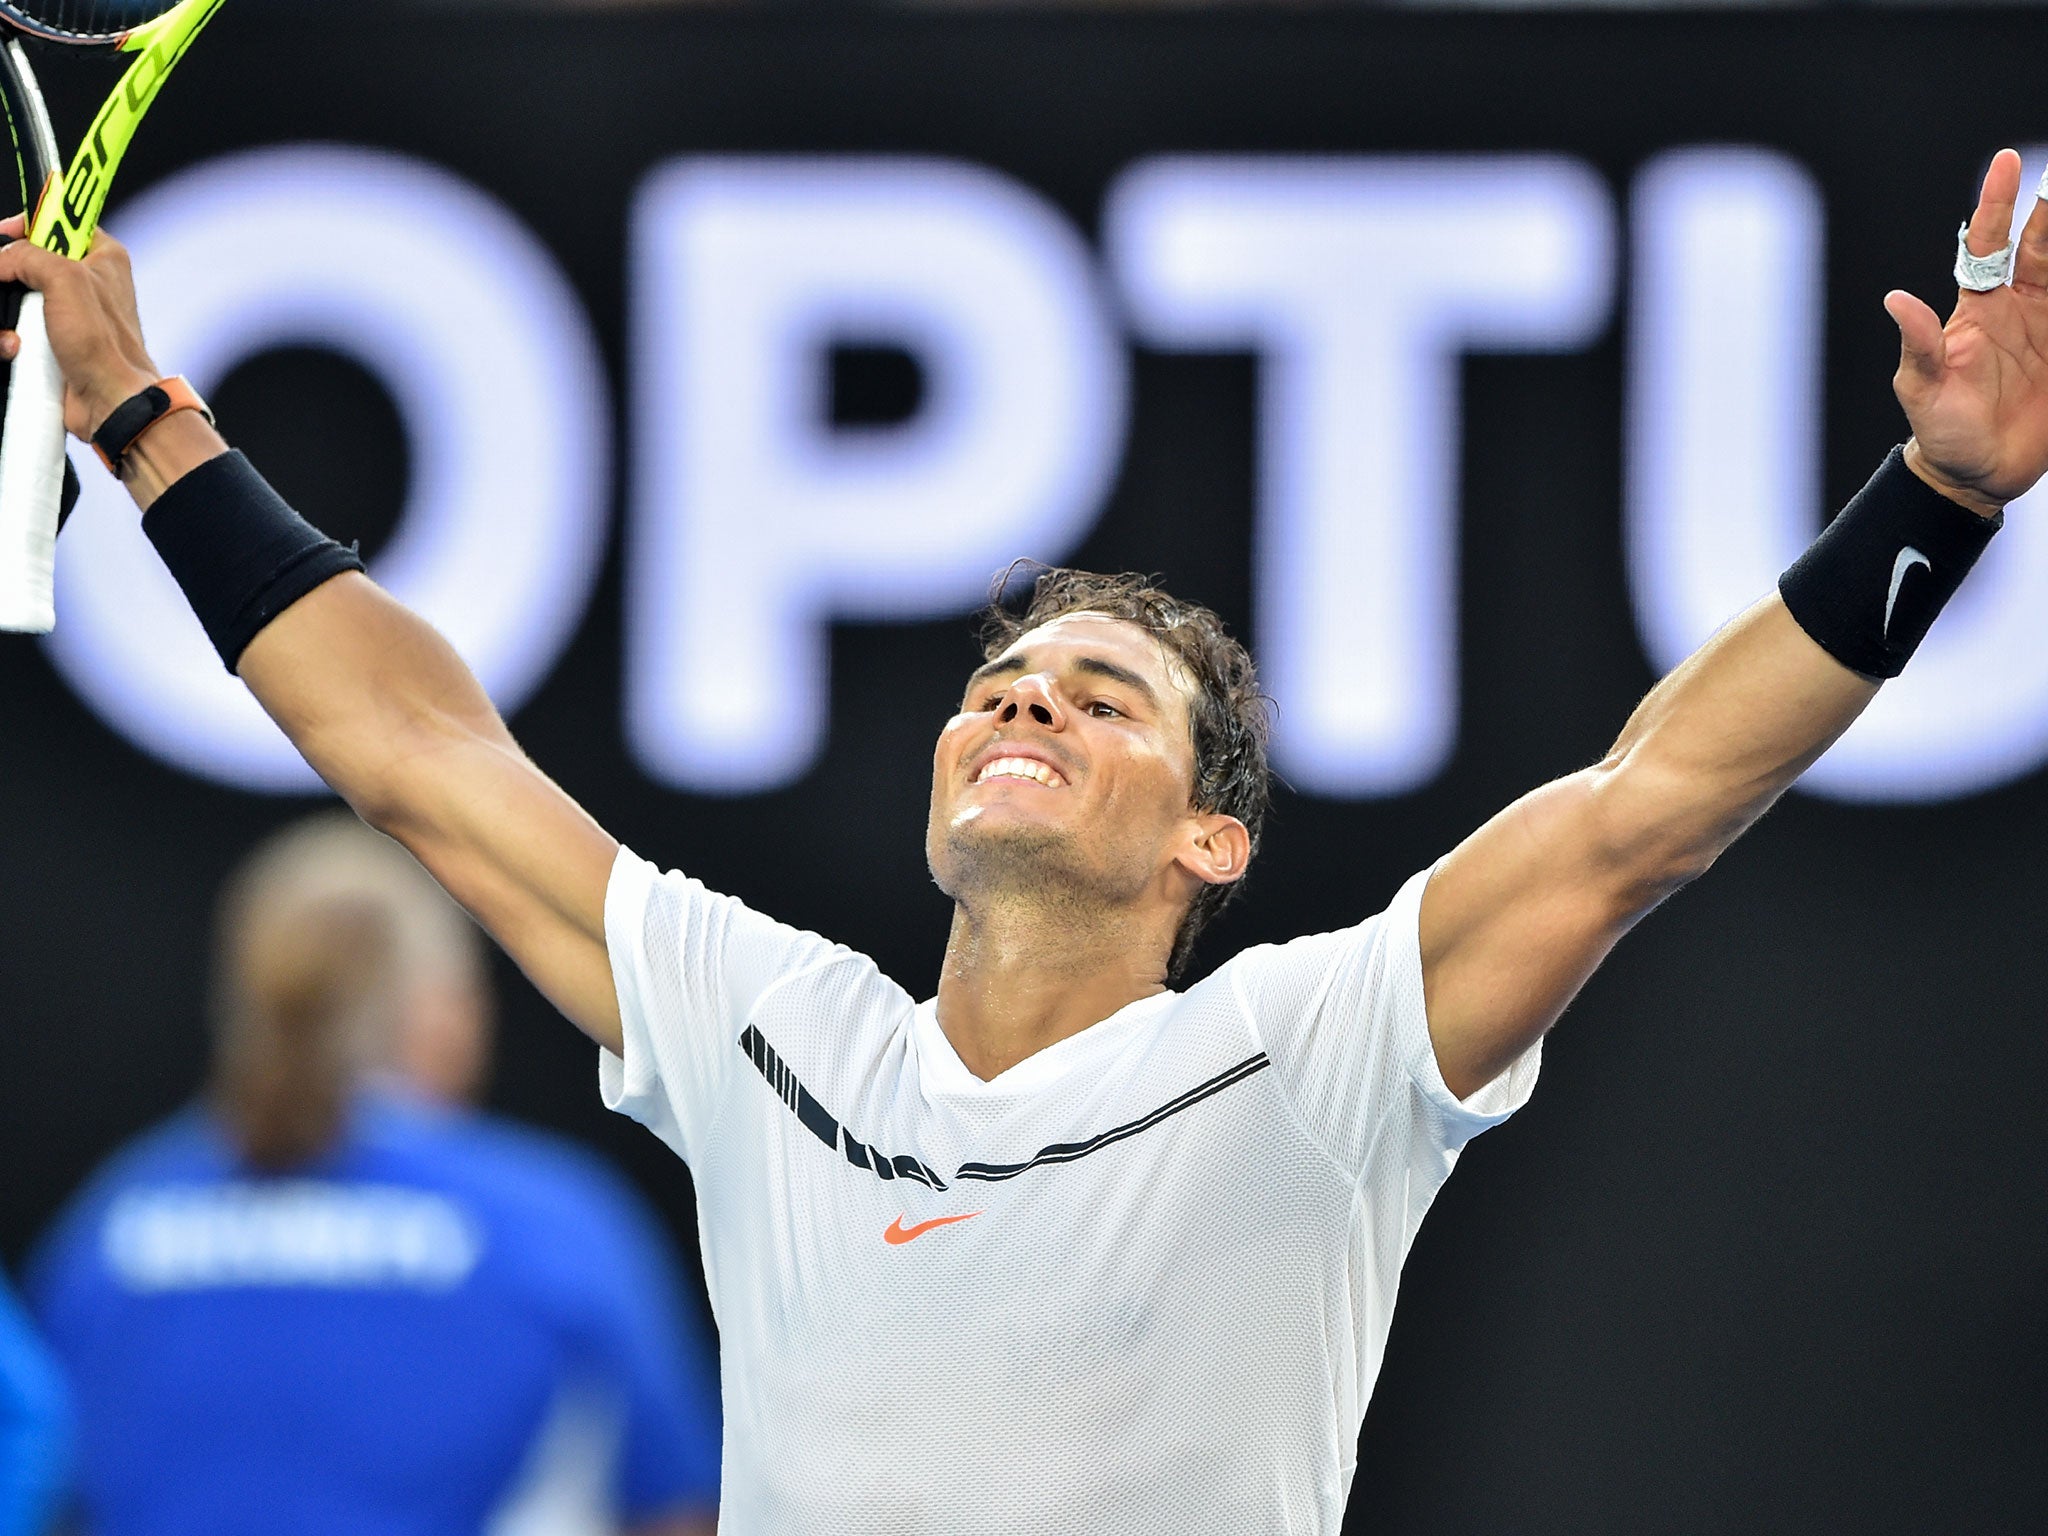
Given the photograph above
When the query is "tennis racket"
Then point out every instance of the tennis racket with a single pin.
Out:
(64, 212)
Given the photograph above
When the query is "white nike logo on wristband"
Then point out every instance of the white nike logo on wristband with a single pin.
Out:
(1908, 558)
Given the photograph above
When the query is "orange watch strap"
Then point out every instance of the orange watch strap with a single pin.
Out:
(131, 419)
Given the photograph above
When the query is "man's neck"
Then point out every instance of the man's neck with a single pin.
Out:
(1018, 978)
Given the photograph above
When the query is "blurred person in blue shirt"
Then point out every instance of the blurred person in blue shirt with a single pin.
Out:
(32, 1425)
(330, 1299)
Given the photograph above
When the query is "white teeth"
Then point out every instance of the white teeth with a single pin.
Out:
(1020, 768)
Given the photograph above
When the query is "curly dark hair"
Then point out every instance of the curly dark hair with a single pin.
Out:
(1229, 717)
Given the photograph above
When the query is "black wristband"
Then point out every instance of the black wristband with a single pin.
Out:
(239, 552)
(1868, 588)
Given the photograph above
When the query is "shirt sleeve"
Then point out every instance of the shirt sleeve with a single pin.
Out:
(1341, 1015)
(690, 966)
(34, 1423)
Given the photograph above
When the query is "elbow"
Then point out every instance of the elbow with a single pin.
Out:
(1652, 836)
(402, 789)
(378, 805)
(1670, 872)
(376, 796)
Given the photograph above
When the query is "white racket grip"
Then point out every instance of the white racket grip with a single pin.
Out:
(31, 479)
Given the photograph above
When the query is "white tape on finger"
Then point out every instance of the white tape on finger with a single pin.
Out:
(31, 479)
(1981, 274)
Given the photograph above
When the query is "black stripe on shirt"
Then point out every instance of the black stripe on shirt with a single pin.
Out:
(819, 1120)
(1067, 1152)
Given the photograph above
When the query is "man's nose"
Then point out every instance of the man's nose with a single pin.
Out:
(1035, 698)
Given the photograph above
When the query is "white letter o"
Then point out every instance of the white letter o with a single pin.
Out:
(463, 316)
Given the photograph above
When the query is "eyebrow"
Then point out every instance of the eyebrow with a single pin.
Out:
(1091, 666)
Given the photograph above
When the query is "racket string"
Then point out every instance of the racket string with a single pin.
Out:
(84, 20)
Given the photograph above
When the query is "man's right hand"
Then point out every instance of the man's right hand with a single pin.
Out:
(95, 329)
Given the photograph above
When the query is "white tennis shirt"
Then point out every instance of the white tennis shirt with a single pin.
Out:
(1138, 1284)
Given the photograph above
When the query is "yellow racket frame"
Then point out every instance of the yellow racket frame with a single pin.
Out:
(68, 211)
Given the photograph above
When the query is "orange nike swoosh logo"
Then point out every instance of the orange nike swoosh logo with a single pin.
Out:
(896, 1232)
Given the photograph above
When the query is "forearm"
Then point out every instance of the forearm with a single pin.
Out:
(377, 702)
(1713, 746)
(1523, 911)
(370, 694)
(1721, 738)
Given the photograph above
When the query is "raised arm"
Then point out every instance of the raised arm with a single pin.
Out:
(1519, 915)
(389, 715)
(378, 702)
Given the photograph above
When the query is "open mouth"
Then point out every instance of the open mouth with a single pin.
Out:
(1029, 768)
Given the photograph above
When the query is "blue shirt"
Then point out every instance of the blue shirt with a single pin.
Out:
(32, 1425)
(441, 1313)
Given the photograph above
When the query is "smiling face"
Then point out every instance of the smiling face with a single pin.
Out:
(1067, 777)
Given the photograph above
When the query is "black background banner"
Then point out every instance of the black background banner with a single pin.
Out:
(1768, 1250)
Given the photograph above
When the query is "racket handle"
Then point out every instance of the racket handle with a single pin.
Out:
(31, 479)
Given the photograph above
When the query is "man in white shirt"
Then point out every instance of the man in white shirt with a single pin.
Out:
(1061, 1249)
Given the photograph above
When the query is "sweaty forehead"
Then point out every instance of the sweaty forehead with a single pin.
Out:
(1093, 629)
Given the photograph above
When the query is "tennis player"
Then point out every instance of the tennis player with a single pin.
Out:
(1063, 1249)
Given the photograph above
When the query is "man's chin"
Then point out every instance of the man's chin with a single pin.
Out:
(990, 853)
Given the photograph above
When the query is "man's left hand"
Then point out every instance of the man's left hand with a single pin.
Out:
(1976, 390)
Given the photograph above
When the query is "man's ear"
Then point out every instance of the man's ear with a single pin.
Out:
(1219, 851)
